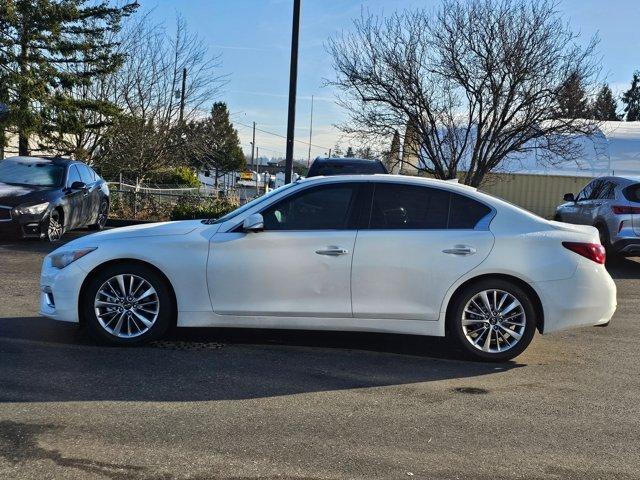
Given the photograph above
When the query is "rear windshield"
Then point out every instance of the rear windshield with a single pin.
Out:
(33, 173)
(345, 168)
(632, 193)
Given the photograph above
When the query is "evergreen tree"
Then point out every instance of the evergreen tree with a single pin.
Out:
(213, 143)
(337, 151)
(631, 100)
(572, 99)
(604, 106)
(349, 153)
(49, 48)
(392, 157)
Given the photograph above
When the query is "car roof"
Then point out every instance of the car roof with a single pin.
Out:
(62, 161)
(383, 177)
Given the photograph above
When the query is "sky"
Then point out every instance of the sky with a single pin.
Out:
(254, 40)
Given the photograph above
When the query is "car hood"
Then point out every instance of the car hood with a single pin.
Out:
(14, 195)
(148, 230)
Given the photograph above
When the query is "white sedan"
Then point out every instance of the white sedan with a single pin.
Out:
(378, 253)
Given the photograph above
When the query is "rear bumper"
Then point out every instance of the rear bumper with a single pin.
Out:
(627, 246)
(586, 299)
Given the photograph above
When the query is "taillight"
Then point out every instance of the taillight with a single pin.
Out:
(624, 210)
(592, 251)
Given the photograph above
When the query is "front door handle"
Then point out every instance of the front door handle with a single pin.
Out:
(332, 251)
(461, 250)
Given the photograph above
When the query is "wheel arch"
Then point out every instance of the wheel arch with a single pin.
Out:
(127, 261)
(537, 303)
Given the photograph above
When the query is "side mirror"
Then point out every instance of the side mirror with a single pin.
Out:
(78, 186)
(568, 197)
(253, 223)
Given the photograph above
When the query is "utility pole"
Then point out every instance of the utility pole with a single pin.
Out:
(257, 170)
(310, 133)
(253, 145)
(184, 86)
(293, 84)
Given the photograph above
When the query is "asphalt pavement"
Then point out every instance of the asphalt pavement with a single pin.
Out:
(249, 404)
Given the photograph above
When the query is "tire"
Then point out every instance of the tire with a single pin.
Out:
(605, 240)
(557, 217)
(520, 319)
(122, 320)
(103, 215)
(55, 226)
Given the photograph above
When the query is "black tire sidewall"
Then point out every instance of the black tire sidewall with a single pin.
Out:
(165, 315)
(97, 226)
(454, 324)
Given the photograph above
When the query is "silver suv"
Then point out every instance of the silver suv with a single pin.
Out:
(612, 205)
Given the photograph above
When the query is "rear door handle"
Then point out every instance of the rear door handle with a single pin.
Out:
(332, 251)
(461, 250)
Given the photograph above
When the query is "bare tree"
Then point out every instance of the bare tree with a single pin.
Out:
(471, 84)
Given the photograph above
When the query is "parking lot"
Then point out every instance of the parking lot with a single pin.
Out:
(228, 404)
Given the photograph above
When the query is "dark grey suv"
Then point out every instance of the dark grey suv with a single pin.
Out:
(612, 205)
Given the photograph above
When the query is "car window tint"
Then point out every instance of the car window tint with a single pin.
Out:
(85, 174)
(409, 207)
(73, 176)
(320, 208)
(345, 168)
(465, 212)
(585, 193)
(632, 192)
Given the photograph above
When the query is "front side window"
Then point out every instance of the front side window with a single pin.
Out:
(328, 207)
(397, 206)
(85, 174)
(73, 176)
(586, 192)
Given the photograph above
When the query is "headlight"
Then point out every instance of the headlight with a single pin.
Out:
(32, 209)
(62, 259)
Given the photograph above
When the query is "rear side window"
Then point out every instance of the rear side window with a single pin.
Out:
(397, 206)
(465, 213)
(408, 207)
(319, 168)
(632, 193)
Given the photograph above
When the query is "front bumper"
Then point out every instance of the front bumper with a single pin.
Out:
(586, 299)
(24, 226)
(59, 290)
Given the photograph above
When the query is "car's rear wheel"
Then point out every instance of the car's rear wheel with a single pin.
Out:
(103, 215)
(492, 320)
(55, 226)
(127, 305)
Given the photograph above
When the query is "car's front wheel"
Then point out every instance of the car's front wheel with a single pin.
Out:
(55, 226)
(492, 320)
(127, 305)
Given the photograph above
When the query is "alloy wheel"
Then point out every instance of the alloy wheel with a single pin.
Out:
(493, 321)
(55, 228)
(126, 306)
(103, 214)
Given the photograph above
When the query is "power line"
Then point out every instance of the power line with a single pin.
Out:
(282, 136)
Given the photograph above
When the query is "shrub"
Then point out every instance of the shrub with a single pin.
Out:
(191, 208)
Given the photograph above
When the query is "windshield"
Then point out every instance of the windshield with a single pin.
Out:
(345, 168)
(35, 173)
(251, 204)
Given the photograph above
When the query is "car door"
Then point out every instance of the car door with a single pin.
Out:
(299, 265)
(419, 241)
(91, 198)
(74, 216)
(580, 212)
